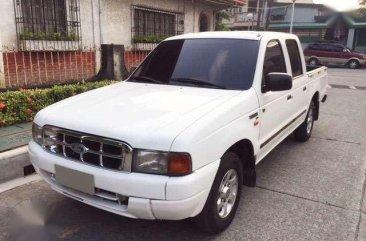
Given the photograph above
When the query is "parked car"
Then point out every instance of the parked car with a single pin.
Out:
(333, 53)
(184, 132)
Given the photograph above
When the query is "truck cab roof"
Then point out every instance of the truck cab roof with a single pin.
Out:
(249, 35)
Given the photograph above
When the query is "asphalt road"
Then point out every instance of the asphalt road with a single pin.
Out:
(311, 191)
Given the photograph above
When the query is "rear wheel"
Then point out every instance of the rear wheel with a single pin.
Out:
(223, 200)
(303, 132)
(353, 64)
(313, 62)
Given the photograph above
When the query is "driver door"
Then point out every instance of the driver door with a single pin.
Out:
(276, 107)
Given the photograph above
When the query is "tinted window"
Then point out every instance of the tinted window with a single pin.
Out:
(316, 47)
(294, 53)
(274, 60)
(333, 48)
(228, 63)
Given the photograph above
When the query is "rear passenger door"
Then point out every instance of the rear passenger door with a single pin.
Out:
(299, 77)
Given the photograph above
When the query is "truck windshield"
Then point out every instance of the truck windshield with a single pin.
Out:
(207, 63)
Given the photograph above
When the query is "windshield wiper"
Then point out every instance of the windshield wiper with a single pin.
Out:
(196, 82)
(145, 79)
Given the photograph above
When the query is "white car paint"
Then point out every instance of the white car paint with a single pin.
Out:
(202, 122)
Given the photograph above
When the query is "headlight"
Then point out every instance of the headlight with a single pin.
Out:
(165, 163)
(37, 134)
(50, 140)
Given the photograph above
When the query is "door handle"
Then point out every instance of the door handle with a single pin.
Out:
(290, 97)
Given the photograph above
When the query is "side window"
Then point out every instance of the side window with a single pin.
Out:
(322, 47)
(295, 58)
(274, 60)
(338, 49)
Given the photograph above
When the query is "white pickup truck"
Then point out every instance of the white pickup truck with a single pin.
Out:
(184, 132)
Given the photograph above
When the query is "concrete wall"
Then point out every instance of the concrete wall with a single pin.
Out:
(7, 24)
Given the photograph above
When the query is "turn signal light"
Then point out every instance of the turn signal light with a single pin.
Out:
(179, 164)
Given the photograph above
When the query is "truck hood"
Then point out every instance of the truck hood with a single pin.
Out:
(143, 115)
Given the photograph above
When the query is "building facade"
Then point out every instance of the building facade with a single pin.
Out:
(52, 41)
(312, 21)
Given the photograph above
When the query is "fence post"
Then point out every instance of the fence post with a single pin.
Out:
(112, 63)
(2, 66)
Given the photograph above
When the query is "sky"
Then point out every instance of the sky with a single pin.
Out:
(340, 5)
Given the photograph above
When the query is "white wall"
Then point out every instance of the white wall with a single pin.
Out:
(303, 14)
(7, 24)
(114, 19)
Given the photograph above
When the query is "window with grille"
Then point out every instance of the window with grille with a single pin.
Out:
(154, 25)
(47, 20)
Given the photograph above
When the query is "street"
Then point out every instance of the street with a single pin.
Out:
(311, 191)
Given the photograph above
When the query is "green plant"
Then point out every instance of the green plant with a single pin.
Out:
(148, 38)
(220, 18)
(21, 106)
(52, 36)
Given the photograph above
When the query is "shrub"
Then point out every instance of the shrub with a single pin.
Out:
(21, 106)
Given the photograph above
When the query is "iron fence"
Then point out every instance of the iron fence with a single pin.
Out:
(52, 25)
(152, 25)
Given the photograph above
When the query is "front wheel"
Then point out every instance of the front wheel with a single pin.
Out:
(353, 64)
(303, 132)
(223, 200)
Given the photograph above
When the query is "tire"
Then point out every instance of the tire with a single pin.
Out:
(303, 132)
(214, 219)
(353, 64)
(313, 62)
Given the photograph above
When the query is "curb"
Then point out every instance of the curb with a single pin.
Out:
(10, 185)
(12, 164)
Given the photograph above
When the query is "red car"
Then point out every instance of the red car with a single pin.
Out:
(324, 53)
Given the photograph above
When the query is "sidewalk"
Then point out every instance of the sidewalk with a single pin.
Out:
(14, 159)
(15, 136)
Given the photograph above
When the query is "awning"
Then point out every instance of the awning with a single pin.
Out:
(226, 3)
(307, 25)
(353, 22)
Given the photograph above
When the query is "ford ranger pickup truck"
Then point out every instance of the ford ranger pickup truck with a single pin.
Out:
(180, 137)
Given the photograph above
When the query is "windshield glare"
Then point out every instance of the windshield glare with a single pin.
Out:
(209, 63)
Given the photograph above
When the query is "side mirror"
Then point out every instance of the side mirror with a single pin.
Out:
(345, 50)
(277, 82)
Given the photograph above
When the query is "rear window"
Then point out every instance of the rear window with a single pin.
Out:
(295, 58)
(229, 63)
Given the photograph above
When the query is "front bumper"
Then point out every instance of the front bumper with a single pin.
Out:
(149, 196)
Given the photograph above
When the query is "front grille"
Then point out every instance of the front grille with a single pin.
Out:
(89, 149)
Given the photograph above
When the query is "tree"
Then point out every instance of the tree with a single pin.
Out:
(220, 16)
(362, 11)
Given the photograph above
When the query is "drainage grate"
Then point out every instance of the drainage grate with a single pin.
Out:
(28, 170)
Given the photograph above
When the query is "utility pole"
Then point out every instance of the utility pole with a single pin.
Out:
(268, 14)
(292, 15)
(259, 14)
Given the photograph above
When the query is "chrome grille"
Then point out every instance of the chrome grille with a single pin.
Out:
(89, 149)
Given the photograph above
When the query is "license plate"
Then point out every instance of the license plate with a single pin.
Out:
(79, 181)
